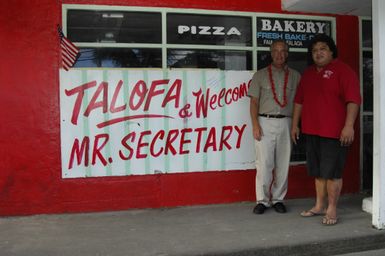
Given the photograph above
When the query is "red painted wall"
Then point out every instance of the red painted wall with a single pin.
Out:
(30, 168)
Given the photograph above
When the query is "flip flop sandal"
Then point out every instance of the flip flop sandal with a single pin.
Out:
(327, 221)
(311, 213)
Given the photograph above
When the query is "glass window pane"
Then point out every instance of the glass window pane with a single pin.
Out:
(120, 58)
(296, 60)
(224, 60)
(367, 149)
(367, 78)
(298, 151)
(208, 29)
(297, 33)
(367, 33)
(114, 26)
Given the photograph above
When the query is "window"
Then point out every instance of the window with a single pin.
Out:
(200, 30)
(199, 58)
(119, 28)
(367, 80)
(208, 29)
(120, 58)
(297, 32)
(367, 40)
(136, 37)
(105, 26)
(116, 37)
(367, 103)
(296, 60)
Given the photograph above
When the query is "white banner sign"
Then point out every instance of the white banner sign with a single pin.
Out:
(132, 122)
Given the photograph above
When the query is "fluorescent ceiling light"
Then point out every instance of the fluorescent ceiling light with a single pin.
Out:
(113, 15)
(109, 35)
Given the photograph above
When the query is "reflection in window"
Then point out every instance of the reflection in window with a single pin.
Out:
(367, 37)
(367, 72)
(296, 60)
(217, 59)
(114, 26)
(367, 105)
(367, 149)
(119, 58)
(298, 151)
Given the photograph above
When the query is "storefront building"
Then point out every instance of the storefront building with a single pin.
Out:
(154, 113)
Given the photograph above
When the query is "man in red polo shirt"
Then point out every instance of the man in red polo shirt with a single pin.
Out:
(327, 102)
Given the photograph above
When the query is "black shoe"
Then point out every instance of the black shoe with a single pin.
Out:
(259, 209)
(279, 207)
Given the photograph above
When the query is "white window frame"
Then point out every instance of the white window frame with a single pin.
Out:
(164, 46)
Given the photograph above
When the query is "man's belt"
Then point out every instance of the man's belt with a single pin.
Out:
(272, 116)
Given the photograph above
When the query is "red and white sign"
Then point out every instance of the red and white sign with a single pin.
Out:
(133, 122)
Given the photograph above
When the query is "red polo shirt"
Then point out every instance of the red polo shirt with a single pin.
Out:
(324, 95)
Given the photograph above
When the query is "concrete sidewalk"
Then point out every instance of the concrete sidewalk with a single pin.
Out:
(227, 229)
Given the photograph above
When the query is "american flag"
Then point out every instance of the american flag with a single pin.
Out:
(69, 52)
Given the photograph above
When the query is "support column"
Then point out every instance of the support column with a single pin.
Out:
(378, 21)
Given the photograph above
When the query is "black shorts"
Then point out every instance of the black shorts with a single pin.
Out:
(325, 157)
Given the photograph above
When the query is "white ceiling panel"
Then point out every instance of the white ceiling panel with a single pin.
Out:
(344, 7)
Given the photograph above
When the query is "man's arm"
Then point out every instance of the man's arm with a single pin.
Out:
(254, 109)
(295, 122)
(347, 133)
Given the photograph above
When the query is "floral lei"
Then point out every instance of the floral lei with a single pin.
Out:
(282, 105)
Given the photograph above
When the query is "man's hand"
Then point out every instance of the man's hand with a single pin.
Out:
(347, 135)
(257, 132)
(295, 134)
(295, 131)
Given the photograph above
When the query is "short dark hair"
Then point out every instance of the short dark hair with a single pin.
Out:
(279, 41)
(324, 39)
